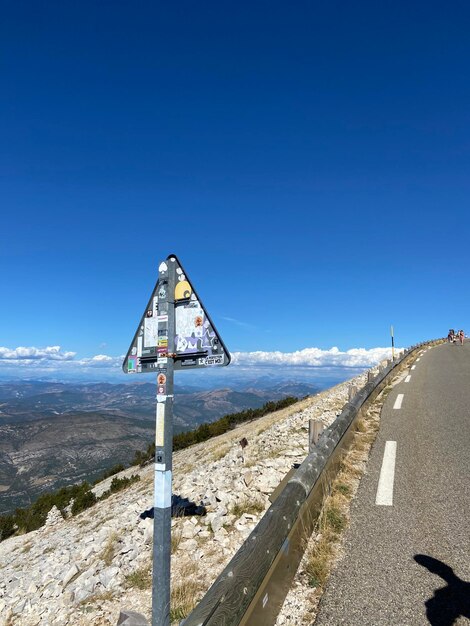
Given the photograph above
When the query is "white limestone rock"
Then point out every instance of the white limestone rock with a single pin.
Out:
(109, 577)
(71, 572)
(188, 530)
(53, 518)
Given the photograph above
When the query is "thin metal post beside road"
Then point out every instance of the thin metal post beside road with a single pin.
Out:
(175, 332)
(163, 449)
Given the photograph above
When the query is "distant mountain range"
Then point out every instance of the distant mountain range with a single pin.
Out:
(53, 434)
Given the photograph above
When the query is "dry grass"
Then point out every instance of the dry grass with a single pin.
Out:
(343, 488)
(333, 519)
(176, 535)
(361, 425)
(9, 620)
(251, 507)
(349, 468)
(218, 454)
(185, 592)
(263, 455)
(140, 579)
(97, 598)
(110, 548)
(250, 461)
(330, 525)
(82, 522)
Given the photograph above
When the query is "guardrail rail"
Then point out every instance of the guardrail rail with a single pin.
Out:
(251, 589)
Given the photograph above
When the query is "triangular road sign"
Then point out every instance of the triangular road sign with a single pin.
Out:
(195, 341)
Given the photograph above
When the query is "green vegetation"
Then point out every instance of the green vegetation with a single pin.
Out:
(118, 484)
(33, 517)
(336, 520)
(7, 526)
(83, 501)
(343, 488)
(140, 578)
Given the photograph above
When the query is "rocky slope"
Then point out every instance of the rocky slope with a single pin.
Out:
(55, 434)
(84, 569)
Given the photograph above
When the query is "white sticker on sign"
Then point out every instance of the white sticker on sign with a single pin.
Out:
(150, 332)
(160, 430)
(216, 359)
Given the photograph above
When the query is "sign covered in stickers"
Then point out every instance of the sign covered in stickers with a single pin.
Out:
(175, 326)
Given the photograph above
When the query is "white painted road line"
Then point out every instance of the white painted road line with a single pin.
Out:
(413, 367)
(417, 359)
(408, 378)
(384, 495)
(398, 401)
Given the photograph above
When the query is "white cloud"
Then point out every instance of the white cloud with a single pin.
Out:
(53, 358)
(53, 361)
(101, 360)
(315, 357)
(51, 353)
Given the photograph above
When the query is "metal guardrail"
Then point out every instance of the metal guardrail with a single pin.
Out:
(251, 589)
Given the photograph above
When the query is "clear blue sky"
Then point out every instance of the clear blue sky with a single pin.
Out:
(308, 162)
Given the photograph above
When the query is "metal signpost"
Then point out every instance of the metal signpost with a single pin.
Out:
(175, 333)
(393, 343)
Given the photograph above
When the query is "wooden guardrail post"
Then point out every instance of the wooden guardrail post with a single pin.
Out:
(352, 392)
(315, 429)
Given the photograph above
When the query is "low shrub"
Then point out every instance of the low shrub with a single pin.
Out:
(118, 484)
(82, 501)
(7, 526)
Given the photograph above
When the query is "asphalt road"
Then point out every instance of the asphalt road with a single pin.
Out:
(409, 563)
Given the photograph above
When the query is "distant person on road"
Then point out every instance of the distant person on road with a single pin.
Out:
(461, 337)
(450, 336)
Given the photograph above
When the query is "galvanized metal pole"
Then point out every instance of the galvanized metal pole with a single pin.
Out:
(163, 446)
(393, 343)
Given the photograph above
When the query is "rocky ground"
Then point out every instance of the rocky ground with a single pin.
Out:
(84, 569)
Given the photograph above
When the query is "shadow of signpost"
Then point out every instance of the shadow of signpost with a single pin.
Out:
(450, 602)
(180, 507)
